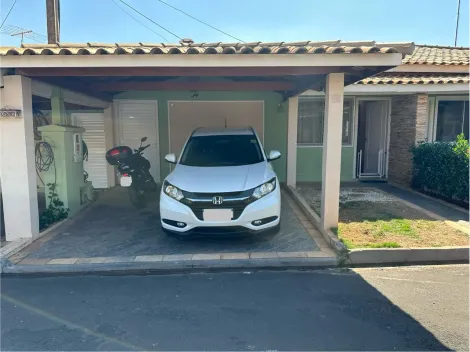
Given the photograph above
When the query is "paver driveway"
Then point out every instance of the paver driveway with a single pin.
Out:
(113, 227)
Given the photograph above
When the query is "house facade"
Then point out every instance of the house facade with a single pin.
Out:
(330, 108)
(425, 99)
(162, 91)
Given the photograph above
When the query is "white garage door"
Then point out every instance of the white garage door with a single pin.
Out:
(137, 119)
(186, 116)
(94, 137)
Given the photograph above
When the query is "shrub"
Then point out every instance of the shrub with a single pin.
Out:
(441, 168)
(55, 211)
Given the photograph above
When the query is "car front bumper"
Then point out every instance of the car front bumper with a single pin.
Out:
(266, 207)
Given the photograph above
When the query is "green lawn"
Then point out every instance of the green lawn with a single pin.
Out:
(388, 224)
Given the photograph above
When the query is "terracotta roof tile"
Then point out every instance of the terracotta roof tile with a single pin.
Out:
(305, 47)
(416, 78)
(437, 55)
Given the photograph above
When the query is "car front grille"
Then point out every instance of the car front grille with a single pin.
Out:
(237, 201)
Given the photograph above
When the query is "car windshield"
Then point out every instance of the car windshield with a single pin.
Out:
(222, 150)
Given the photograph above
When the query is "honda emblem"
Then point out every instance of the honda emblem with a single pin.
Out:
(217, 200)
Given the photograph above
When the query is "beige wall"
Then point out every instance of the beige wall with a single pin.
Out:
(186, 116)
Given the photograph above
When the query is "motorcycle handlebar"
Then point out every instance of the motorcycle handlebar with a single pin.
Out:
(140, 149)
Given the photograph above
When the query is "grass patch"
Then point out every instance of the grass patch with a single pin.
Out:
(381, 228)
(397, 232)
(384, 245)
(389, 224)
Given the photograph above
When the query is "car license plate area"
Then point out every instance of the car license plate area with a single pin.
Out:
(217, 214)
(126, 181)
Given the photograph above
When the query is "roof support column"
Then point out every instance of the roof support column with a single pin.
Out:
(292, 141)
(58, 107)
(332, 140)
(17, 167)
(109, 142)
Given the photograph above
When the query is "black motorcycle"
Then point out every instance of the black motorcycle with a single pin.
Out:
(134, 171)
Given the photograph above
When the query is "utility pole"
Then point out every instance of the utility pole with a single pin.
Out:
(53, 21)
(457, 24)
(22, 33)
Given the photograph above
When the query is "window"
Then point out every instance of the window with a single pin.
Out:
(311, 118)
(452, 119)
(222, 150)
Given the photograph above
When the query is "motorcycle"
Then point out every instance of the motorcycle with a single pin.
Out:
(134, 172)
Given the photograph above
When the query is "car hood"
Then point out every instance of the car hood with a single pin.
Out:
(220, 179)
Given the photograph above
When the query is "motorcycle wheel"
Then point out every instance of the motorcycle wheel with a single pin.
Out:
(137, 197)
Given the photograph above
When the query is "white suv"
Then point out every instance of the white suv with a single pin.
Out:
(223, 183)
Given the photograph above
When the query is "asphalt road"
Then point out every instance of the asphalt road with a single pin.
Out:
(414, 308)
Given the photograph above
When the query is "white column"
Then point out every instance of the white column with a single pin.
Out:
(109, 142)
(332, 140)
(292, 141)
(17, 167)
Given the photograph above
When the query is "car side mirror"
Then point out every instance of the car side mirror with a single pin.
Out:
(143, 139)
(274, 155)
(171, 158)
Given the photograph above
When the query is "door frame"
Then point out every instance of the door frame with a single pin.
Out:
(387, 132)
(118, 127)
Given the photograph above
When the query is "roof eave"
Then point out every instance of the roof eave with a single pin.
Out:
(234, 60)
(382, 89)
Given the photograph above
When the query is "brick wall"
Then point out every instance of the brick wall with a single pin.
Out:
(408, 123)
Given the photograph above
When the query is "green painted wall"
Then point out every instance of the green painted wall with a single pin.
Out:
(309, 164)
(309, 160)
(275, 119)
(67, 174)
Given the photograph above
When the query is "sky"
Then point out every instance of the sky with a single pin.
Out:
(420, 21)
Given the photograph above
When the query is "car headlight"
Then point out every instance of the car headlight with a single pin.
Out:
(265, 188)
(172, 191)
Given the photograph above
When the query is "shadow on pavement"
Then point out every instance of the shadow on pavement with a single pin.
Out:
(239, 311)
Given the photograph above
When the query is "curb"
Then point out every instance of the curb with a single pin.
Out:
(441, 255)
(177, 267)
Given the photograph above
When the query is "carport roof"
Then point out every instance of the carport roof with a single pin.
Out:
(305, 47)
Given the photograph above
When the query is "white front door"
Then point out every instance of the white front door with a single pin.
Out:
(375, 123)
(94, 137)
(138, 119)
(372, 139)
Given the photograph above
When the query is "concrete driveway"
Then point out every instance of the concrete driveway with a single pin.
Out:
(112, 227)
